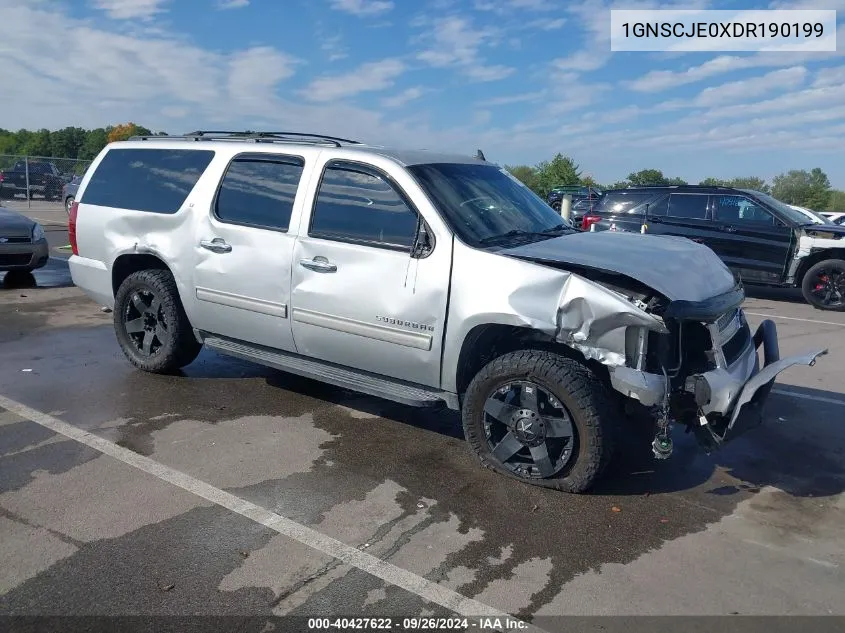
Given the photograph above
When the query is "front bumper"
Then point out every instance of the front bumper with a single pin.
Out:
(744, 411)
(24, 255)
(730, 398)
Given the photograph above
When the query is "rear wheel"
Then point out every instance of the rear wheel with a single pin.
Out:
(151, 325)
(824, 285)
(541, 418)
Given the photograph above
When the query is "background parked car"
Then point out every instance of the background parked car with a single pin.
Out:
(44, 178)
(813, 216)
(765, 241)
(23, 245)
(69, 192)
(836, 218)
(578, 193)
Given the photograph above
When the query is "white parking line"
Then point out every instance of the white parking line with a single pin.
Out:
(804, 396)
(776, 316)
(422, 587)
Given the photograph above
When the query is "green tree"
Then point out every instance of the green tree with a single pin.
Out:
(561, 171)
(749, 182)
(805, 189)
(95, 141)
(67, 142)
(619, 184)
(526, 174)
(819, 196)
(37, 144)
(652, 178)
(837, 200)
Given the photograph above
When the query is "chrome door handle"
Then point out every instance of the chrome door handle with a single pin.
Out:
(320, 264)
(729, 229)
(217, 245)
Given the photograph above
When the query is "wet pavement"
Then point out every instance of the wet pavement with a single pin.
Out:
(754, 529)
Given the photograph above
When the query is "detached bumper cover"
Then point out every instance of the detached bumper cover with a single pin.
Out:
(748, 409)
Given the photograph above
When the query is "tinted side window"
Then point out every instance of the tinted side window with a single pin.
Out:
(621, 202)
(659, 207)
(259, 191)
(361, 207)
(688, 206)
(153, 180)
(739, 209)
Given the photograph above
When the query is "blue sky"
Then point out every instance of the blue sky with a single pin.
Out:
(520, 79)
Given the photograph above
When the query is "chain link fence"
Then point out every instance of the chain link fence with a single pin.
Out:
(43, 178)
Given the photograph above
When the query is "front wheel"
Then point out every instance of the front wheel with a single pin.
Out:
(824, 285)
(541, 418)
(68, 203)
(151, 325)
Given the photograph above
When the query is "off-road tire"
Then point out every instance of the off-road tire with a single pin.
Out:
(182, 347)
(594, 416)
(810, 279)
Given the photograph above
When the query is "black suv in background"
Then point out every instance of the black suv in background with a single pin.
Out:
(763, 240)
(579, 195)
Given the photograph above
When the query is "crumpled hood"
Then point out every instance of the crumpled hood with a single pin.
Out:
(676, 267)
(835, 229)
(14, 224)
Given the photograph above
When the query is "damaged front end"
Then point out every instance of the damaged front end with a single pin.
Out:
(705, 372)
(664, 316)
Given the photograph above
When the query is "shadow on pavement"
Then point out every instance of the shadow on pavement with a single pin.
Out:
(55, 274)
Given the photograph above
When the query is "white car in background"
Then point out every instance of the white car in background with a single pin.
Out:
(835, 217)
(814, 216)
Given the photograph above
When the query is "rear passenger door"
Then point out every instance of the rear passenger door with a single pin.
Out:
(682, 214)
(360, 298)
(243, 251)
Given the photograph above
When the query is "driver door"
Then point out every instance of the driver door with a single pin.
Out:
(359, 297)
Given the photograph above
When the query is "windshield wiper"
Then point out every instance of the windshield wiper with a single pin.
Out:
(556, 229)
(492, 239)
(522, 233)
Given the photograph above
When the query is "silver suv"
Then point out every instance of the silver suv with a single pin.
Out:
(427, 279)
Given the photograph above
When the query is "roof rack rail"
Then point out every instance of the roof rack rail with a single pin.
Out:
(247, 135)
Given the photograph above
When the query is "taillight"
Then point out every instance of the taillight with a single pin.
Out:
(2, 176)
(588, 221)
(71, 227)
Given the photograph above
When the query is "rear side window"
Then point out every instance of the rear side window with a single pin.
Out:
(620, 202)
(259, 191)
(152, 180)
(688, 206)
(358, 206)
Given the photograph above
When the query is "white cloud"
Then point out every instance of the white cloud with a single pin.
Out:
(130, 9)
(334, 48)
(370, 77)
(511, 99)
(730, 93)
(542, 24)
(455, 42)
(363, 7)
(830, 77)
(658, 80)
(232, 4)
(406, 96)
(479, 72)
(508, 6)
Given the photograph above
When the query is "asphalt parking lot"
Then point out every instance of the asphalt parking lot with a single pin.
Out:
(233, 489)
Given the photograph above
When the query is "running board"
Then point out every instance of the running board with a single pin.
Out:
(362, 382)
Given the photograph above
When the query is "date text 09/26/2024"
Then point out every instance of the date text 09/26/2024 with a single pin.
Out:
(417, 624)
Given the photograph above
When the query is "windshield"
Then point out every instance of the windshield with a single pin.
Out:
(818, 218)
(485, 204)
(792, 214)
